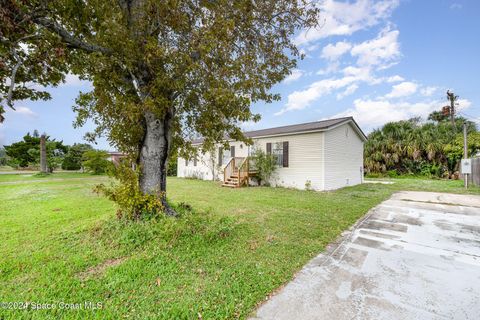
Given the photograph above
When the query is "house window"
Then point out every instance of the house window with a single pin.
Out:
(277, 151)
(195, 161)
(228, 154)
(186, 162)
(280, 152)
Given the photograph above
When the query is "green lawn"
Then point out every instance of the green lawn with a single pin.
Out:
(62, 244)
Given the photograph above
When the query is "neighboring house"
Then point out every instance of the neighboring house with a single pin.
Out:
(116, 157)
(321, 155)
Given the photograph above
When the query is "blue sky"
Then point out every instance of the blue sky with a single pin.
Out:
(377, 61)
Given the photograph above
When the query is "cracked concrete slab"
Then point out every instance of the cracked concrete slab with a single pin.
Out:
(414, 256)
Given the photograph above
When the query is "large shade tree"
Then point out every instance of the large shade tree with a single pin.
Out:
(162, 71)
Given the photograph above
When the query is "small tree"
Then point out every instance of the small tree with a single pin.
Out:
(95, 161)
(19, 151)
(55, 154)
(266, 164)
(212, 162)
(73, 158)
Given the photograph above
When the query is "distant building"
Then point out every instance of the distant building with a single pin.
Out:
(116, 157)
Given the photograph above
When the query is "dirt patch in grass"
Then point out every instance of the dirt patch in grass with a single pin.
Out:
(100, 269)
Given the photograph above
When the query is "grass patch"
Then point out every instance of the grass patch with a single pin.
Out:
(224, 255)
(29, 177)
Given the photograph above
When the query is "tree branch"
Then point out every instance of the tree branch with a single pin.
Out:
(71, 40)
(12, 80)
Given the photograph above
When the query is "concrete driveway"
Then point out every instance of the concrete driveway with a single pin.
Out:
(414, 256)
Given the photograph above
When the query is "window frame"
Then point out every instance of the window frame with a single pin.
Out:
(277, 152)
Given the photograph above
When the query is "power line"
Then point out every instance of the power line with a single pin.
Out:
(469, 116)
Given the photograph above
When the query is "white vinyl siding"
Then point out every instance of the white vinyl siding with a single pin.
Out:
(324, 160)
(305, 160)
(203, 169)
(343, 157)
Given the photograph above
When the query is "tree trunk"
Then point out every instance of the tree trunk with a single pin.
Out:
(154, 157)
(43, 154)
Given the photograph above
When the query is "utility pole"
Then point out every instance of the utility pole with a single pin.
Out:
(452, 97)
(465, 152)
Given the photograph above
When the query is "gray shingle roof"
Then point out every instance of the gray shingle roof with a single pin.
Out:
(296, 128)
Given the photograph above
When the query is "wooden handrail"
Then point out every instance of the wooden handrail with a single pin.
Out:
(230, 165)
(243, 170)
(243, 174)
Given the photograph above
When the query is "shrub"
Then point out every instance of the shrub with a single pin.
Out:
(132, 203)
(172, 166)
(266, 164)
(73, 158)
(308, 185)
(373, 175)
(95, 161)
(392, 173)
(14, 163)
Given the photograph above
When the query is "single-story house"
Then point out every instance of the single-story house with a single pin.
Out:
(321, 155)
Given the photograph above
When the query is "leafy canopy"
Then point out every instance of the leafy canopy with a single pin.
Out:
(95, 161)
(19, 150)
(27, 152)
(204, 61)
(73, 158)
(413, 147)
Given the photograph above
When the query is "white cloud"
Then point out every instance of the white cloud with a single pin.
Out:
(335, 51)
(360, 73)
(370, 57)
(428, 91)
(395, 78)
(331, 68)
(350, 90)
(454, 6)
(380, 52)
(463, 104)
(293, 76)
(373, 113)
(299, 100)
(402, 90)
(25, 111)
(345, 18)
(72, 80)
